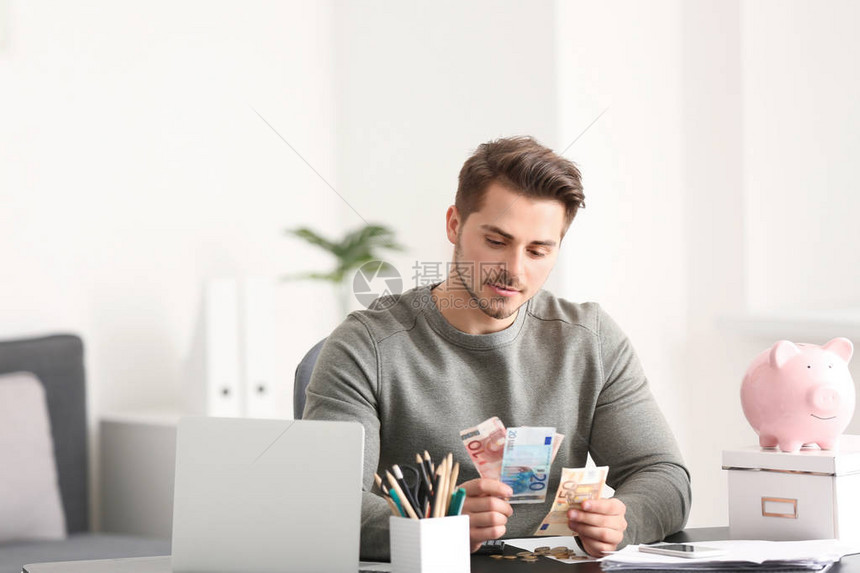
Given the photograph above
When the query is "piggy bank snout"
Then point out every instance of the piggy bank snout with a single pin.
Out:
(824, 399)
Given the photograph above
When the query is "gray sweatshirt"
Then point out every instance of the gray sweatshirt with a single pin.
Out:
(414, 381)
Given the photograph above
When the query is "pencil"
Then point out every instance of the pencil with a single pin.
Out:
(425, 474)
(449, 467)
(396, 488)
(452, 487)
(431, 469)
(400, 511)
(385, 494)
(379, 483)
(442, 470)
(434, 497)
(437, 493)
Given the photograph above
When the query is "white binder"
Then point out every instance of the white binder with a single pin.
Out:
(240, 346)
(223, 388)
(258, 346)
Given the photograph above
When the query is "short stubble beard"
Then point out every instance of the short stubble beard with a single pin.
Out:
(492, 307)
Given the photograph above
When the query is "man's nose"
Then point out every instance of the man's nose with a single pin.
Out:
(514, 265)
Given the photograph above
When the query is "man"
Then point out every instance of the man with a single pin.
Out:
(416, 368)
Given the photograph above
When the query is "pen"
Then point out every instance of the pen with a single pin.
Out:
(396, 488)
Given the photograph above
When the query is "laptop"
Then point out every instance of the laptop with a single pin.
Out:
(258, 496)
(267, 496)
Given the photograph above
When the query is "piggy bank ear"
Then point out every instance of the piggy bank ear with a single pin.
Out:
(781, 352)
(841, 347)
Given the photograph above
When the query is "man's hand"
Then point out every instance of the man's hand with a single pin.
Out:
(600, 524)
(487, 508)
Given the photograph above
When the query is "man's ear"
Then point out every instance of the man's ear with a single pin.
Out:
(452, 223)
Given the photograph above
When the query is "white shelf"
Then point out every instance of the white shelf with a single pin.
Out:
(799, 326)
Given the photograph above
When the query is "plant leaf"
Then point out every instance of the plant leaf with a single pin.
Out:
(312, 238)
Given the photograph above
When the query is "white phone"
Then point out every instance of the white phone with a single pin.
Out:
(682, 550)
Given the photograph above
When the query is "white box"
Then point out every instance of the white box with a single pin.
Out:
(432, 545)
(779, 496)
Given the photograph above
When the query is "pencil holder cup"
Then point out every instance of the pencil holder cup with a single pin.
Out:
(432, 545)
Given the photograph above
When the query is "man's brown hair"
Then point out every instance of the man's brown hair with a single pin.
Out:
(525, 166)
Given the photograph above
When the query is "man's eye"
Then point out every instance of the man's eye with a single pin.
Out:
(539, 253)
(495, 243)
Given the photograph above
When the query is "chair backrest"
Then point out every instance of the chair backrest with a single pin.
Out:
(303, 378)
(58, 362)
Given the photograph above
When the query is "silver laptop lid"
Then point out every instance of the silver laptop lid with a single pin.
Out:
(267, 496)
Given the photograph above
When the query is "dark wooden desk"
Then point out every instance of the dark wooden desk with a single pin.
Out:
(485, 564)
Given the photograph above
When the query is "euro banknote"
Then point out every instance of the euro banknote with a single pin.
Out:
(526, 462)
(576, 485)
(485, 444)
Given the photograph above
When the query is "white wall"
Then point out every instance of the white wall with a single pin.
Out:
(714, 360)
(801, 78)
(626, 249)
(419, 86)
(133, 169)
(718, 182)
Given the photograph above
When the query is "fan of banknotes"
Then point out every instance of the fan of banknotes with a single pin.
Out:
(522, 457)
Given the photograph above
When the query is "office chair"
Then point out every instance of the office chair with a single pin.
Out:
(303, 378)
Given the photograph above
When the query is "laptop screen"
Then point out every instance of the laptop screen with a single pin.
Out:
(265, 496)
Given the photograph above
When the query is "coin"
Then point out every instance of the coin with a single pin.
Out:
(510, 556)
(525, 554)
(496, 556)
(542, 548)
(560, 548)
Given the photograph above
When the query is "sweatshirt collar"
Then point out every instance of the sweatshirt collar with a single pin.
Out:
(477, 341)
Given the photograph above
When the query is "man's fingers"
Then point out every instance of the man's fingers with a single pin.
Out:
(599, 534)
(600, 524)
(597, 548)
(486, 487)
(597, 519)
(487, 519)
(473, 505)
(478, 535)
(606, 506)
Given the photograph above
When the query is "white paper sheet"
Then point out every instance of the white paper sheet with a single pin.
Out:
(804, 553)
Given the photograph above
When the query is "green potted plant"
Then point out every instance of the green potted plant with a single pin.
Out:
(356, 249)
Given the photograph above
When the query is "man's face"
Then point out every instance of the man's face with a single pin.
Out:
(504, 253)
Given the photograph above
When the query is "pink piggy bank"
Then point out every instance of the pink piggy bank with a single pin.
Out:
(796, 394)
